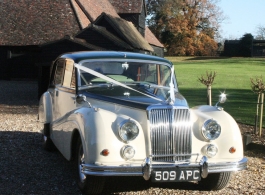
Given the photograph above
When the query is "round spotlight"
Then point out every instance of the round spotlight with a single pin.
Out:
(211, 150)
(127, 152)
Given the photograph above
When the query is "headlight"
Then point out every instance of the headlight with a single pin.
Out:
(128, 130)
(211, 130)
(127, 152)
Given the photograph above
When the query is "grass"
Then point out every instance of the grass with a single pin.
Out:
(233, 77)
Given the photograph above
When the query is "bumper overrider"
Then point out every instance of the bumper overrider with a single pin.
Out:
(146, 168)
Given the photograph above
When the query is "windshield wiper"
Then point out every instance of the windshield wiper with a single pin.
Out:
(99, 85)
(146, 85)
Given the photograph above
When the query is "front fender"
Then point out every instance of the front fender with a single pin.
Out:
(45, 108)
(230, 133)
(99, 131)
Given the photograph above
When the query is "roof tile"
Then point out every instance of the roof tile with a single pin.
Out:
(82, 18)
(32, 22)
(127, 6)
(150, 37)
(35, 22)
(93, 8)
(126, 31)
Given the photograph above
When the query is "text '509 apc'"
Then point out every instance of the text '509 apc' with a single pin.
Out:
(121, 114)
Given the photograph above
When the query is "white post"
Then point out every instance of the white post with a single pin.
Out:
(261, 114)
(257, 115)
(209, 94)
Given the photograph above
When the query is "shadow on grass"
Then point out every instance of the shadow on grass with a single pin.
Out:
(241, 104)
(206, 58)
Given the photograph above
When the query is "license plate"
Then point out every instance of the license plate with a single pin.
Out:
(176, 174)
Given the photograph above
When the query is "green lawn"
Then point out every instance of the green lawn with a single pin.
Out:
(233, 77)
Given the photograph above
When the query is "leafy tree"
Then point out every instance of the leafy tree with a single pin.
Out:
(246, 45)
(185, 27)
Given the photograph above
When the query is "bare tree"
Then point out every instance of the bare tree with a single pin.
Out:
(258, 87)
(260, 33)
(208, 81)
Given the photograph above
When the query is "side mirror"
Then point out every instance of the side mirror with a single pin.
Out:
(80, 98)
(222, 99)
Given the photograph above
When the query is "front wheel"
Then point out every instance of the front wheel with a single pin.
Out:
(87, 184)
(216, 181)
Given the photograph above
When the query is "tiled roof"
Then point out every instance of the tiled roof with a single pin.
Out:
(150, 37)
(81, 16)
(107, 34)
(93, 8)
(127, 6)
(75, 40)
(33, 22)
(126, 31)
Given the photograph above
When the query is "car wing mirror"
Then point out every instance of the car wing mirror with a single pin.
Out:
(222, 99)
(80, 98)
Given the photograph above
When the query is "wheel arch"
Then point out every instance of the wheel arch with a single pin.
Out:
(75, 137)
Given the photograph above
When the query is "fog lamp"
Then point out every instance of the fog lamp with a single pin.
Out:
(127, 152)
(211, 150)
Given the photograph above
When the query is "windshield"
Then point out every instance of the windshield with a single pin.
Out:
(127, 72)
(150, 78)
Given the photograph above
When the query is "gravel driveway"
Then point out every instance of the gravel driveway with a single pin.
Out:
(25, 168)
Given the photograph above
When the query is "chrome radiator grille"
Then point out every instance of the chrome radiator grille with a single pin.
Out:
(170, 134)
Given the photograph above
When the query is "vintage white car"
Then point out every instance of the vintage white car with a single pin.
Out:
(121, 114)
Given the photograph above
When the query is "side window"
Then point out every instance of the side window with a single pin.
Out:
(165, 75)
(69, 74)
(58, 77)
(73, 79)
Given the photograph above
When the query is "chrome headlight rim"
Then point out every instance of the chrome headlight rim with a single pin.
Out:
(211, 129)
(124, 132)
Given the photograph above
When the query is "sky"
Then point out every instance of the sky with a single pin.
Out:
(243, 16)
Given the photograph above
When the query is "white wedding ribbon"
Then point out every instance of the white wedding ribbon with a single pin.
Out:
(102, 76)
(171, 85)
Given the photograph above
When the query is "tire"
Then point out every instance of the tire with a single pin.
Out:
(216, 181)
(48, 145)
(86, 183)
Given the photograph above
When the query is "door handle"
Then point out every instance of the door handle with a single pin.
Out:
(56, 92)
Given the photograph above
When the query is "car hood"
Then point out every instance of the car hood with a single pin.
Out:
(140, 102)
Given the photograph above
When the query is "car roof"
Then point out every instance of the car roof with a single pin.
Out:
(90, 55)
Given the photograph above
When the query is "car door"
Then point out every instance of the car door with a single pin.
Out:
(63, 97)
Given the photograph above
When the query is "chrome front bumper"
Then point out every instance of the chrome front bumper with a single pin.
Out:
(146, 168)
